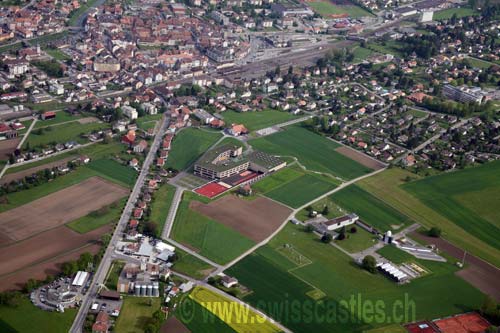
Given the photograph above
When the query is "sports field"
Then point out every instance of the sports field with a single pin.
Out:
(236, 315)
(386, 186)
(447, 14)
(315, 152)
(188, 146)
(256, 120)
(274, 278)
(211, 238)
(23, 318)
(327, 8)
(370, 209)
(470, 198)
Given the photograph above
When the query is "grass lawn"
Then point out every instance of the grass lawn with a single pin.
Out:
(361, 53)
(274, 279)
(370, 209)
(97, 219)
(481, 64)
(395, 255)
(136, 313)
(470, 198)
(390, 47)
(312, 150)
(27, 318)
(202, 320)
(149, 121)
(256, 120)
(61, 134)
(57, 54)
(213, 239)
(61, 117)
(188, 146)
(250, 321)
(387, 186)
(160, 205)
(326, 8)
(448, 13)
(190, 265)
(358, 241)
(231, 141)
(112, 169)
(114, 274)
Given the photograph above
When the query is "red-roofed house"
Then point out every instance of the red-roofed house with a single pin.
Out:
(101, 324)
(138, 213)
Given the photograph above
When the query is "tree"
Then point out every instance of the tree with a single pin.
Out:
(370, 264)
(353, 230)
(326, 238)
(491, 309)
(309, 228)
(434, 232)
(325, 210)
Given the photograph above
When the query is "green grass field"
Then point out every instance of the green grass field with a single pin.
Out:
(370, 209)
(57, 54)
(136, 313)
(27, 318)
(326, 8)
(361, 53)
(160, 205)
(387, 186)
(256, 120)
(112, 169)
(470, 198)
(213, 239)
(96, 220)
(61, 117)
(148, 121)
(190, 265)
(315, 152)
(395, 255)
(358, 241)
(448, 13)
(293, 187)
(114, 272)
(275, 279)
(333, 209)
(188, 146)
(62, 134)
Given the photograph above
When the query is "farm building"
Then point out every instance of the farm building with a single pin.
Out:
(340, 222)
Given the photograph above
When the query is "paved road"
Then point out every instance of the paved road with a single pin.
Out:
(172, 213)
(100, 274)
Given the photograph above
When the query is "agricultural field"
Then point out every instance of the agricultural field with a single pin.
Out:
(317, 269)
(470, 198)
(62, 134)
(211, 238)
(297, 190)
(370, 209)
(188, 145)
(136, 313)
(388, 186)
(202, 320)
(98, 218)
(256, 120)
(448, 13)
(315, 152)
(327, 8)
(250, 322)
(333, 209)
(112, 169)
(23, 317)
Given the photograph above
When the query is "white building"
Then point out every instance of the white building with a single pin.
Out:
(340, 222)
(129, 112)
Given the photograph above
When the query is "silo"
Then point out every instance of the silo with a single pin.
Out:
(137, 290)
(150, 290)
(156, 290)
(143, 290)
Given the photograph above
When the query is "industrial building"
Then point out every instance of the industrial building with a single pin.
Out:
(464, 94)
